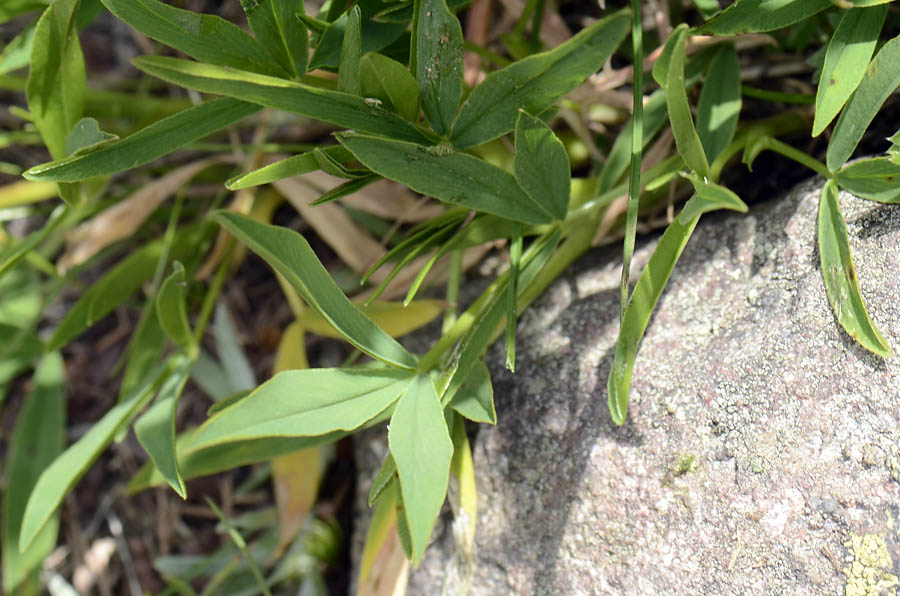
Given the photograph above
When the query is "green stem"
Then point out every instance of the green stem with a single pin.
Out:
(784, 123)
(637, 133)
(779, 96)
(800, 157)
(212, 294)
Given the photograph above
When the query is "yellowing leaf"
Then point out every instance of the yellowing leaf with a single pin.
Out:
(384, 567)
(393, 317)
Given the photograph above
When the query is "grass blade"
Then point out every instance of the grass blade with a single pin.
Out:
(57, 480)
(686, 137)
(880, 80)
(874, 179)
(295, 165)
(147, 144)
(512, 293)
(38, 439)
(757, 16)
(277, 28)
(291, 256)
(720, 102)
(172, 310)
(841, 284)
(541, 165)
(155, 430)
(205, 37)
(55, 88)
(351, 52)
(535, 83)
(637, 314)
(439, 62)
(421, 446)
(846, 59)
(334, 107)
(452, 177)
(653, 280)
(300, 403)
(391, 83)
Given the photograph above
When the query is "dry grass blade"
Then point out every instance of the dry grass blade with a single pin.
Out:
(125, 217)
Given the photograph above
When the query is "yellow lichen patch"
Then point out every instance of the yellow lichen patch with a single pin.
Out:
(868, 574)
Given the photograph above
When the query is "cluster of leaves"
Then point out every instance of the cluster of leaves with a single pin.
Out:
(407, 116)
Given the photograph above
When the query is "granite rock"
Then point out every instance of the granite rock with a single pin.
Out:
(762, 449)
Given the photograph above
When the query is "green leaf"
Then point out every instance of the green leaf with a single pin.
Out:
(280, 32)
(37, 440)
(146, 345)
(147, 144)
(421, 446)
(58, 479)
(86, 136)
(894, 151)
(475, 398)
(535, 83)
(391, 83)
(841, 284)
(386, 476)
(542, 165)
(351, 53)
(877, 179)
(709, 197)
(707, 8)
(439, 62)
(512, 294)
(309, 402)
(619, 156)
(881, 78)
(846, 60)
(217, 458)
(14, 252)
(296, 165)
(455, 178)
(291, 256)
(472, 345)
(720, 102)
(756, 16)
(686, 138)
(55, 87)
(860, 3)
(117, 285)
(637, 314)
(111, 290)
(156, 428)
(20, 348)
(347, 188)
(172, 310)
(330, 165)
(17, 52)
(205, 37)
(465, 499)
(403, 531)
(334, 107)
(375, 36)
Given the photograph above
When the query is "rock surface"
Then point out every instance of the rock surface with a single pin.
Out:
(762, 450)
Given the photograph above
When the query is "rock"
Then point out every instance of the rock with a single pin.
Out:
(762, 449)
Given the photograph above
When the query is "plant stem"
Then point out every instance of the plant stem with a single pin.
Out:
(637, 133)
(800, 157)
(779, 96)
(212, 294)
